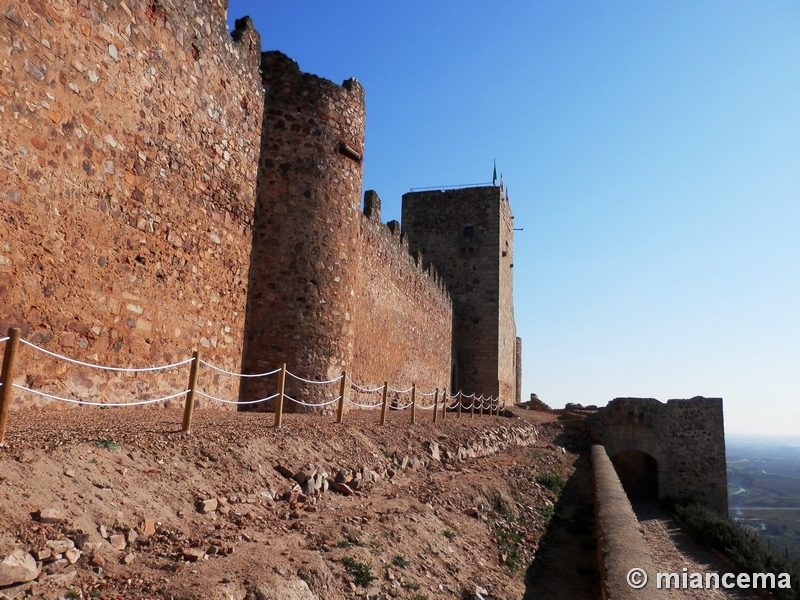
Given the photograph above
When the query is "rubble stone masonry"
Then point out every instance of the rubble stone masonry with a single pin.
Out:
(468, 234)
(410, 312)
(128, 157)
(166, 186)
(686, 438)
(329, 289)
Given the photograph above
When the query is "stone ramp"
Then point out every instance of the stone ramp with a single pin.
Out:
(672, 549)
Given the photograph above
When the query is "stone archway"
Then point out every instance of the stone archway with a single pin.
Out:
(638, 473)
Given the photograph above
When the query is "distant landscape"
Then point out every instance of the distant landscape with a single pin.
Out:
(764, 487)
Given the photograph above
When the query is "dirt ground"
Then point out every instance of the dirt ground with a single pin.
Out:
(161, 514)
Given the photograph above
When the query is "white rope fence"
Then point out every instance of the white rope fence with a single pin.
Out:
(89, 403)
(267, 374)
(298, 378)
(365, 406)
(103, 367)
(443, 400)
(309, 404)
(237, 402)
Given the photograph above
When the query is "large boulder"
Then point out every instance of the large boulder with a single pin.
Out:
(18, 567)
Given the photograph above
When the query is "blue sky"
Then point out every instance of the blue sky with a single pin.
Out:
(652, 154)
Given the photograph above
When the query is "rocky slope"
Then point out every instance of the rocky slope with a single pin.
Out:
(120, 504)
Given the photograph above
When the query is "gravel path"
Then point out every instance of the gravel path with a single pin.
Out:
(673, 549)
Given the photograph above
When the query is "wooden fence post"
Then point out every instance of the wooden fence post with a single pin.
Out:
(413, 403)
(7, 378)
(385, 402)
(480, 414)
(279, 402)
(460, 401)
(445, 400)
(340, 409)
(188, 409)
(472, 407)
(435, 404)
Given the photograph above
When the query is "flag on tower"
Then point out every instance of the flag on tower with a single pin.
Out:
(494, 174)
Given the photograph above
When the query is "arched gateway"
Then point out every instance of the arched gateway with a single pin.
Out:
(673, 450)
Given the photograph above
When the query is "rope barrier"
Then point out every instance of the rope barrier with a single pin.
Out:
(475, 403)
(135, 370)
(73, 401)
(235, 401)
(363, 389)
(310, 381)
(268, 373)
(367, 406)
(288, 397)
(391, 389)
(400, 407)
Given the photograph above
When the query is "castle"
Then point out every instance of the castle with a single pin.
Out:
(164, 186)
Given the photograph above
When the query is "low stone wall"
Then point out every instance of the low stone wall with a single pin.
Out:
(620, 544)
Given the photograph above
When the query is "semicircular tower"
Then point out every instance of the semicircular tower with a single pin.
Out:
(304, 260)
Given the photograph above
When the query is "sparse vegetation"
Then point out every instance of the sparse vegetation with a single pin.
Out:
(508, 542)
(739, 543)
(410, 585)
(361, 572)
(552, 481)
(106, 443)
(546, 510)
(400, 561)
(419, 597)
(449, 534)
(343, 544)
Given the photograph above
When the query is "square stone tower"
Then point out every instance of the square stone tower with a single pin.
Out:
(468, 236)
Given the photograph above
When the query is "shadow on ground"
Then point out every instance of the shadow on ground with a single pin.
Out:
(565, 564)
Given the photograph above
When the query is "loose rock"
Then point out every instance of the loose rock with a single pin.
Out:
(18, 567)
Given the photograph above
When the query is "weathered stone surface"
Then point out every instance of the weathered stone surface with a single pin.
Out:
(72, 555)
(148, 527)
(134, 170)
(342, 488)
(17, 567)
(50, 515)
(207, 505)
(475, 259)
(685, 439)
(117, 541)
(193, 554)
(141, 199)
(60, 546)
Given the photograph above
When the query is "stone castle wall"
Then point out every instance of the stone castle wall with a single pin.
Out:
(166, 186)
(685, 437)
(330, 288)
(128, 150)
(468, 235)
(410, 312)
